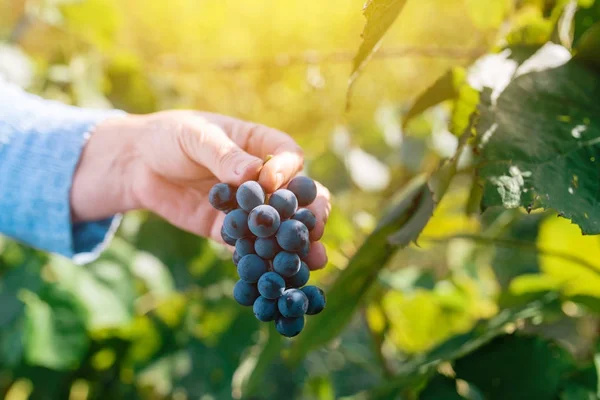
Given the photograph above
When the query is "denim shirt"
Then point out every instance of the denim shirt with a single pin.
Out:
(40, 145)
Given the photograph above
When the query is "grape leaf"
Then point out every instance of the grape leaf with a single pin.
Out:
(588, 47)
(55, 335)
(414, 371)
(380, 15)
(540, 144)
(516, 367)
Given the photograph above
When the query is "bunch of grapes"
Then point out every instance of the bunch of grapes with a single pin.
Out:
(271, 238)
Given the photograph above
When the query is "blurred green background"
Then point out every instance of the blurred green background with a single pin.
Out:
(154, 318)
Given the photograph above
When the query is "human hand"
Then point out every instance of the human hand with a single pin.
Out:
(167, 162)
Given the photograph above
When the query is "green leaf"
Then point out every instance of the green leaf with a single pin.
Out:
(440, 387)
(25, 276)
(55, 334)
(516, 367)
(380, 15)
(540, 142)
(585, 16)
(105, 288)
(443, 89)
(588, 47)
(413, 372)
(354, 281)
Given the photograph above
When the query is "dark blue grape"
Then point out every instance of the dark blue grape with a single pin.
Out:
(300, 279)
(292, 303)
(222, 197)
(244, 246)
(304, 188)
(304, 252)
(236, 224)
(251, 267)
(250, 195)
(271, 285)
(289, 327)
(264, 221)
(236, 258)
(316, 299)
(285, 202)
(267, 248)
(305, 216)
(226, 238)
(245, 293)
(286, 264)
(265, 309)
(292, 235)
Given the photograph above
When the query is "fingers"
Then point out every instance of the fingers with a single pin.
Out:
(287, 157)
(280, 169)
(207, 144)
(182, 206)
(321, 208)
(317, 256)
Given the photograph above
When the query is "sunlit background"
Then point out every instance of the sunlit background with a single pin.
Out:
(154, 317)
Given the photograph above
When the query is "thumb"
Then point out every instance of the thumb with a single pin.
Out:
(208, 145)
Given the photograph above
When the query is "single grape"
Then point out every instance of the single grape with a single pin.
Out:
(265, 309)
(292, 235)
(251, 267)
(304, 252)
(316, 299)
(226, 238)
(267, 248)
(285, 202)
(292, 303)
(305, 216)
(286, 264)
(271, 285)
(250, 195)
(236, 224)
(244, 246)
(245, 293)
(289, 327)
(222, 197)
(304, 188)
(264, 221)
(298, 280)
(236, 258)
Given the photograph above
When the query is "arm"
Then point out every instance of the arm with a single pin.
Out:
(64, 193)
(40, 146)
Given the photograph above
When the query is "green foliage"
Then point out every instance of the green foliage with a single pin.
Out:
(552, 165)
(435, 289)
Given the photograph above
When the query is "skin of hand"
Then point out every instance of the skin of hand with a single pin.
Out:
(167, 162)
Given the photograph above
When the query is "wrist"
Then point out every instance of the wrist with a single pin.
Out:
(100, 182)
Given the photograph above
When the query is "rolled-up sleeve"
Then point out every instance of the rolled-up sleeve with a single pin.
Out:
(41, 142)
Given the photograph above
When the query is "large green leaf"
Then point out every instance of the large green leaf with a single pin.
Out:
(404, 221)
(516, 367)
(380, 15)
(588, 48)
(105, 288)
(412, 373)
(440, 387)
(540, 144)
(55, 335)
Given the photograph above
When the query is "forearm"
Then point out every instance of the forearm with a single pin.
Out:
(40, 147)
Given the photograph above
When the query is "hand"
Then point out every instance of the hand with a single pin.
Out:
(168, 161)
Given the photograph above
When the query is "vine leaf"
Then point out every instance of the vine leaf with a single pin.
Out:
(588, 47)
(538, 373)
(380, 15)
(540, 144)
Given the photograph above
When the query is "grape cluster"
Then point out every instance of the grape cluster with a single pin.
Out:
(271, 239)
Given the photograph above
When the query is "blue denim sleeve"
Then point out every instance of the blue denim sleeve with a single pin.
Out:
(40, 145)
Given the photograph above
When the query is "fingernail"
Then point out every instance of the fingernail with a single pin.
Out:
(278, 180)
